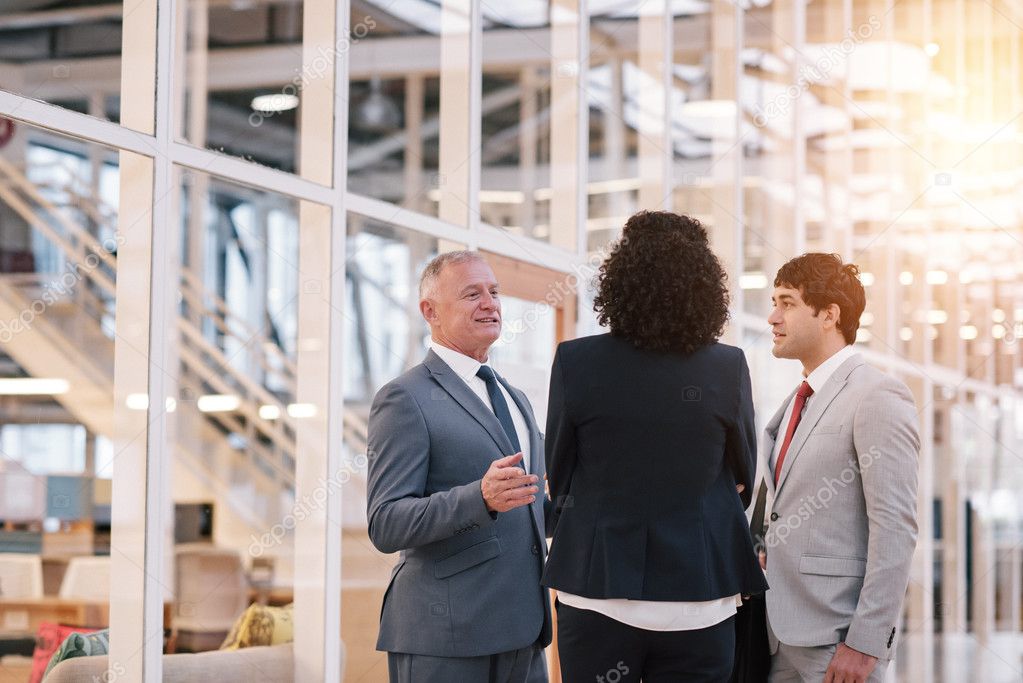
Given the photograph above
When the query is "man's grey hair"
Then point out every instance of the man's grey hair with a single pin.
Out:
(428, 280)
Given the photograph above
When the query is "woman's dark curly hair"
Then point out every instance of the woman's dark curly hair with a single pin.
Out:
(662, 288)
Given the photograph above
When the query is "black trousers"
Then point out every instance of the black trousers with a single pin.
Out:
(594, 648)
(527, 665)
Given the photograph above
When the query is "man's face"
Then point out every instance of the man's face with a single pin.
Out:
(465, 312)
(798, 333)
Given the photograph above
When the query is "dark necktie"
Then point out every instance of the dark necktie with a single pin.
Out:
(500, 406)
(802, 393)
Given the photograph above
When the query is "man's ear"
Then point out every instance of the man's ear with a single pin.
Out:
(427, 309)
(833, 314)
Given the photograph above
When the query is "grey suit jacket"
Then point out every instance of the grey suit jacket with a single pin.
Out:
(842, 522)
(467, 582)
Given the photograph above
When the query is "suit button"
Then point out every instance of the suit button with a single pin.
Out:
(774, 516)
(536, 549)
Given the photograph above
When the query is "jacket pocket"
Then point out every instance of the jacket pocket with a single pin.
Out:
(469, 557)
(825, 565)
(827, 429)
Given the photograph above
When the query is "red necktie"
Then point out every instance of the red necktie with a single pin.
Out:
(802, 393)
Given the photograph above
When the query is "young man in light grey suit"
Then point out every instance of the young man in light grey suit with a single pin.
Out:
(841, 472)
(455, 461)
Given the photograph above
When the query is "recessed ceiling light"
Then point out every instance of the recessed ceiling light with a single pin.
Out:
(269, 412)
(33, 386)
(218, 403)
(300, 410)
(272, 104)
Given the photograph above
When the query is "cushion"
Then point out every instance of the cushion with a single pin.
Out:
(48, 639)
(81, 645)
(261, 625)
(251, 665)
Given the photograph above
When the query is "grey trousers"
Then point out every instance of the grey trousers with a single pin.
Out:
(791, 664)
(528, 665)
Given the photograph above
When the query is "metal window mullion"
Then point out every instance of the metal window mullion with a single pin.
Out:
(475, 119)
(848, 244)
(162, 352)
(739, 169)
(82, 126)
(583, 141)
(798, 133)
(667, 85)
(315, 652)
(582, 156)
(502, 242)
(335, 391)
(250, 174)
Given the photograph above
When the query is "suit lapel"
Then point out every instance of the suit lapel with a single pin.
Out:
(819, 403)
(527, 415)
(535, 455)
(771, 438)
(462, 394)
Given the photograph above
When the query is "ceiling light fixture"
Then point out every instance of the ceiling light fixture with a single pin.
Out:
(33, 386)
(275, 103)
(218, 403)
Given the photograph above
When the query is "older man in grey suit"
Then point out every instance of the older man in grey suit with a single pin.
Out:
(455, 461)
(841, 472)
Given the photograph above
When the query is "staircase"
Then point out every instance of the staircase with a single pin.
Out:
(60, 324)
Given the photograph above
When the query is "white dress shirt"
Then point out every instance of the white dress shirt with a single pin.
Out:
(466, 368)
(816, 379)
(658, 616)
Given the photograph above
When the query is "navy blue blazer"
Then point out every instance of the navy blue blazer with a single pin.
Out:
(644, 451)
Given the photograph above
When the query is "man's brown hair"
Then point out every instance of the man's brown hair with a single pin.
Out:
(822, 280)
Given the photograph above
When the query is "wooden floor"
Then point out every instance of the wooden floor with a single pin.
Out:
(365, 573)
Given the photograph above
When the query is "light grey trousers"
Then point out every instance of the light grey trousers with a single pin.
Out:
(528, 665)
(792, 664)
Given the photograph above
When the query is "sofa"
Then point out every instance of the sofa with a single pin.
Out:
(223, 666)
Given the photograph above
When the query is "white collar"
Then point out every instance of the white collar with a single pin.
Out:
(823, 372)
(464, 366)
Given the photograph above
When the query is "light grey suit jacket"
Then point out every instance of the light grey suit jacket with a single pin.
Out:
(468, 582)
(842, 522)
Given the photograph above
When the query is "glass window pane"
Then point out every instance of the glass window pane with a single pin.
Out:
(236, 419)
(384, 335)
(45, 448)
(770, 233)
(516, 109)
(58, 272)
(394, 103)
(613, 92)
(65, 53)
(242, 81)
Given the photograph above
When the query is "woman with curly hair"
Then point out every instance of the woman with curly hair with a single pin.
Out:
(651, 452)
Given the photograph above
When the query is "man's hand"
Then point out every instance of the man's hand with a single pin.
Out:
(849, 666)
(763, 560)
(506, 487)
